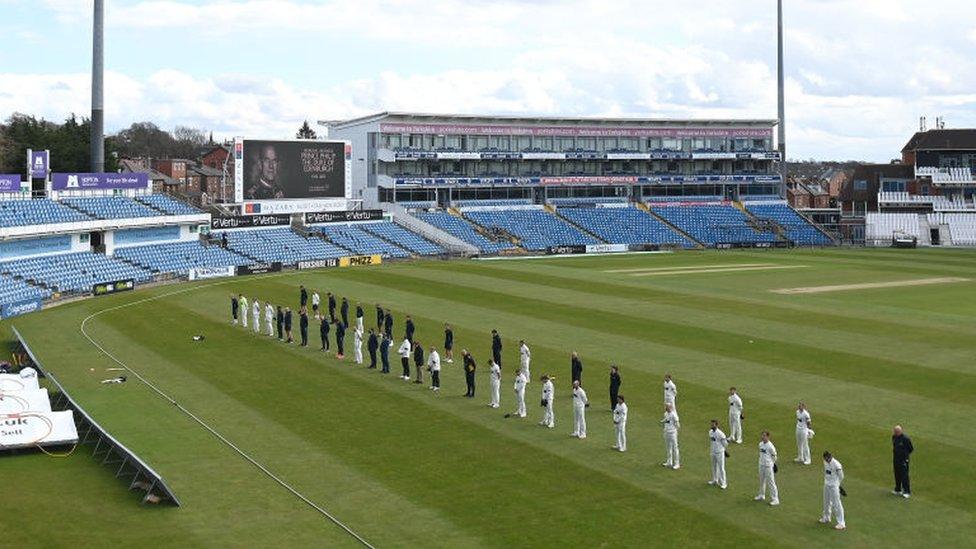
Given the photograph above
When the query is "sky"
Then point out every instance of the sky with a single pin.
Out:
(859, 73)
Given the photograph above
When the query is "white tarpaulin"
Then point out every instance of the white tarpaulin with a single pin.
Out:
(10, 383)
(31, 429)
(25, 401)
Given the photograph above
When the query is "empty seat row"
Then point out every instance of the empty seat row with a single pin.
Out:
(626, 225)
(536, 229)
(180, 257)
(73, 272)
(713, 224)
(111, 207)
(463, 230)
(280, 244)
(360, 242)
(403, 238)
(167, 204)
(18, 213)
(797, 228)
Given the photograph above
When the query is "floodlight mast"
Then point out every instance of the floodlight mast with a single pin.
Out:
(781, 127)
(98, 83)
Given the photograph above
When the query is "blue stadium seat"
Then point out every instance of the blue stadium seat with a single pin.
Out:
(403, 238)
(359, 241)
(18, 213)
(626, 225)
(280, 244)
(180, 257)
(713, 224)
(167, 204)
(536, 229)
(73, 272)
(111, 207)
(798, 229)
(463, 230)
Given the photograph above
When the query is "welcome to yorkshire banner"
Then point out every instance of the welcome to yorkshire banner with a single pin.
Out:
(359, 260)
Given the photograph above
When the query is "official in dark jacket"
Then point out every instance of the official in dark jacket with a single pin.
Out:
(324, 328)
(303, 326)
(340, 340)
(614, 386)
(379, 317)
(902, 449)
(448, 343)
(496, 347)
(332, 306)
(469, 369)
(344, 309)
(409, 328)
(385, 353)
(418, 361)
(388, 323)
(359, 317)
(233, 307)
(577, 367)
(288, 325)
(303, 296)
(372, 345)
(280, 322)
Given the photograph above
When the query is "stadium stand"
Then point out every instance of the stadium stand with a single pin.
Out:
(18, 213)
(536, 229)
(167, 204)
(798, 229)
(492, 202)
(180, 257)
(13, 290)
(881, 227)
(359, 241)
(626, 225)
(111, 207)
(73, 272)
(713, 224)
(280, 244)
(587, 200)
(463, 230)
(653, 199)
(417, 204)
(946, 175)
(962, 228)
(403, 238)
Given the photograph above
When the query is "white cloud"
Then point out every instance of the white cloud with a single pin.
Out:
(860, 72)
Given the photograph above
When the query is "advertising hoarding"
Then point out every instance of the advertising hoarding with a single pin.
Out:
(98, 181)
(298, 169)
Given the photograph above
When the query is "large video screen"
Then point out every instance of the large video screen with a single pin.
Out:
(272, 170)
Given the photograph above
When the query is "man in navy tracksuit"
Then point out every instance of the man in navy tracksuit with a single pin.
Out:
(288, 325)
(409, 327)
(388, 323)
(385, 353)
(303, 296)
(303, 326)
(344, 309)
(901, 451)
(280, 321)
(332, 306)
(496, 347)
(233, 307)
(340, 340)
(324, 333)
(379, 317)
(372, 344)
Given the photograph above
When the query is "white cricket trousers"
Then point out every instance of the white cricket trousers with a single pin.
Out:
(579, 421)
(718, 469)
(622, 436)
(496, 389)
(735, 426)
(244, 319)
(548, 415)
(359, 323)
(257, 323)
(802, 445)
(520, 403)
(767, 479)
(270, 327)
(673, 457)
(832, 504)
(359, 353)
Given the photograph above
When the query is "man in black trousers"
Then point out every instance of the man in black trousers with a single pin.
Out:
(410, 328)
(324, 328)
(372, 344)
(303, 326)
(388, 323)
(332, 306)
(379, 317)
(344, 310)
(577, 365)
(288, 338)
(614, 386)
(496, 347)
(233, 307)
(302, 296)
(340, 340)
(418, 362)
(901, 451)
(469, 369)
(280, 321)
(385, 353)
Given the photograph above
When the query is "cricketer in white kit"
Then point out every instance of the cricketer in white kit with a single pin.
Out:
(269, 317)
(520, 394)
(579, 410)
(620, 423)
(718, 442)
(357, 345)
(548, 394)
(525, 357)
(671, 424)
(243, 304)
(833, 476)
(256, 313)
(803, 434)
(670, 392)
(495, 385)
(735, 416)
(767, 470)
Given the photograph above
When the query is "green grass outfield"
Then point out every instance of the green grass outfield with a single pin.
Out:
(404, 467)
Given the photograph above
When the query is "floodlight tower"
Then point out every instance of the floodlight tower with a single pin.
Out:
(98, 82)
(781, 127)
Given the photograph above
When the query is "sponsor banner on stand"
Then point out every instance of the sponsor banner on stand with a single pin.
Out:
(343, 216)
(248, 221)
(98, 181)
(318, 263)
(39, 163)
(18, 308)
(643, 247)
(605, 248)
(258, 268)
(360, 260)
(33, 400)
(199, 273)
(10, 183)
(113, 287)
(31, 429)
(565, 250)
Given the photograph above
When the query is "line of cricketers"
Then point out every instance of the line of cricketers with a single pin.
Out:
(380, 341)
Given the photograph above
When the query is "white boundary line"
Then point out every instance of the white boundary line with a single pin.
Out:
(194, 417)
